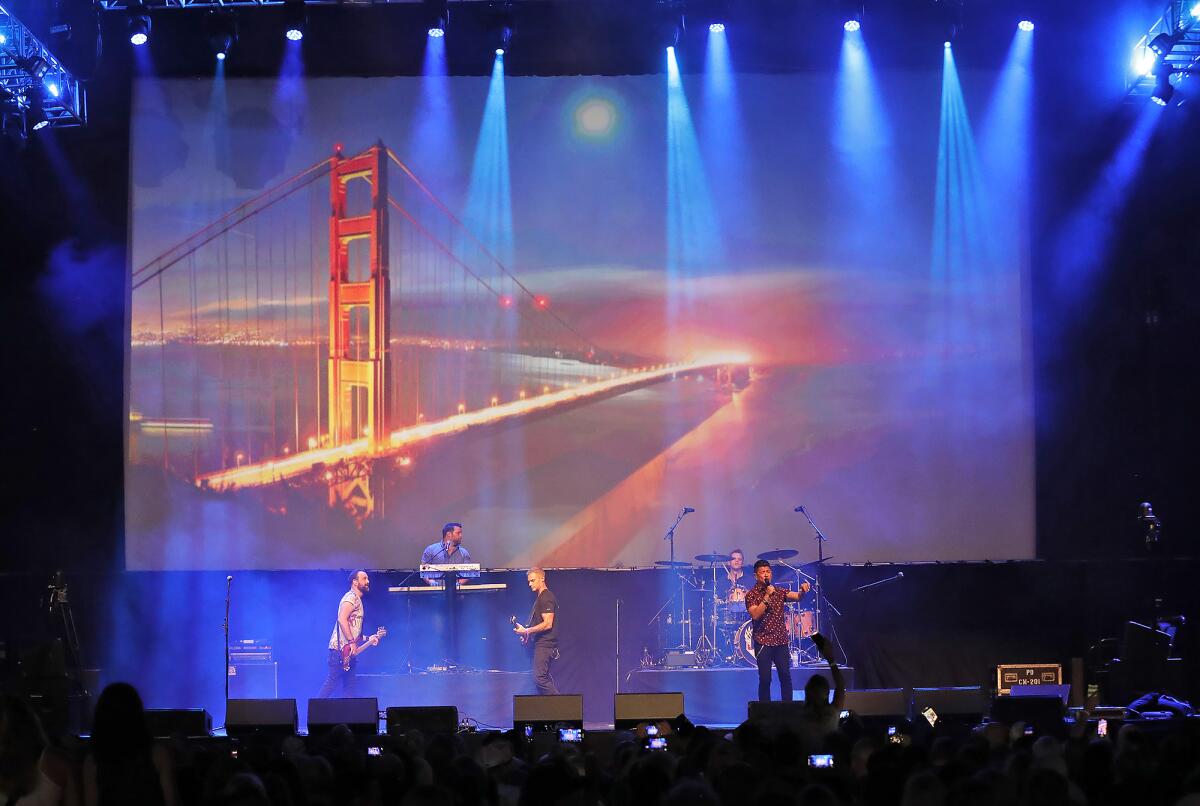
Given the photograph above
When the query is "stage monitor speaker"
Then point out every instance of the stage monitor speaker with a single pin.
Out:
(360, 714)
(889, 702)
(1043, 713)
(260, 717)
(630, 710)
(165, 723)
(543, 712)
(961, 701)
(774, 711)
(429, 719)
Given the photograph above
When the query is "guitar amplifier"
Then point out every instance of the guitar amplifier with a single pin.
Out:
(253, 681)
(676, 659)
(1027, 674)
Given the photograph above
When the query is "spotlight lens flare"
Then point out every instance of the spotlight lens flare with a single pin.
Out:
(499, 51)
(946, 45)
(852, 25)
(1144, 61)
(1196, 11)
(1025, 25)
(294, 34)
(437, 33)
(716, 27)
(53, 89)
(136, 39)
(221, 56)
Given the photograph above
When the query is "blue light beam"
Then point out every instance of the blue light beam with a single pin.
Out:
(694, 241)
(862, 140)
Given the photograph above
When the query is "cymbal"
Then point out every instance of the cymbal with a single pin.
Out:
(713, 558)
(673, 563)
(778, 554)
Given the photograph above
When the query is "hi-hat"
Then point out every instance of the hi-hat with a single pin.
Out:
(673, 563)
(713, 558)
(778, 554)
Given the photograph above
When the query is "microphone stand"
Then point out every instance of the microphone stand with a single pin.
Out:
(225, 627)
(670, 537)
(820, 589)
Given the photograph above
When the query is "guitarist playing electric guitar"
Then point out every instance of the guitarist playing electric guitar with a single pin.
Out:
(541, 631)
(346, 641)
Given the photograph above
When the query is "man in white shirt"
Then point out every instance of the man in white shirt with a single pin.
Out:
(346, 632)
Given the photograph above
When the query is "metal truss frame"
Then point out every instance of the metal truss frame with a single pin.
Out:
(1177, 22)
(67, 107)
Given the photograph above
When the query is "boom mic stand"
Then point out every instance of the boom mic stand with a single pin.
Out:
(670, 537)
(821, 601)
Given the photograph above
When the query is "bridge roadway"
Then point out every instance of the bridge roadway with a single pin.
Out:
(279, 469)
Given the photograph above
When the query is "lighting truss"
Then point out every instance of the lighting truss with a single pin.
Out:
(1181, 29)
(63, 98)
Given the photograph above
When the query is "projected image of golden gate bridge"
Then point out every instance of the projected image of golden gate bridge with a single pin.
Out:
(347, 317)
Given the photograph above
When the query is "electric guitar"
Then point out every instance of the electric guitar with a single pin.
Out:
(350, 650)
(513, 621)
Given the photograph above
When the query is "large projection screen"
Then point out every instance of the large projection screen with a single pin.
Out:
(565, 308)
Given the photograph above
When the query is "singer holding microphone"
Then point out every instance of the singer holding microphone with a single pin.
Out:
(766, 605)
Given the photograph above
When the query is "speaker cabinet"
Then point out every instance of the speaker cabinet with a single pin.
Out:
(164, 723)
(963, 701)
(629, 710)
(260, 717)
(774, 711)
(543, 712)
(885, 702)
(360, 714)
(429, 719)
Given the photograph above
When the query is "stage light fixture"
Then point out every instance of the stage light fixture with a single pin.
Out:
(852, 25)
(294, 20)
(53, 88)
(35, 66)
(222, 34)
(716, 27)
(500, 28)
(35, 115)
(1163, 44)
(139, 24)
(1196, 11)
(1163, 89)
(1025, 25)
(438, 16)
(946, 44)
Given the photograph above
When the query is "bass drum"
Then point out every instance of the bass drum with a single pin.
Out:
(743, 645)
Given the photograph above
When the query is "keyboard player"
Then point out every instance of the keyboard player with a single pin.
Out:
(447, 551)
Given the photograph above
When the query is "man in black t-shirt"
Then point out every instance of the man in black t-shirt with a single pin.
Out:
(541, 630)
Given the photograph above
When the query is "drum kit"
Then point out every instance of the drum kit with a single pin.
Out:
(725, 628)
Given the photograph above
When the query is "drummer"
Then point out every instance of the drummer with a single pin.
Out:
(740, 580)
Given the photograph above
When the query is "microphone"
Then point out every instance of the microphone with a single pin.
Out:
(229, 578)
(900, 574)
(799, 508)
(686, 510)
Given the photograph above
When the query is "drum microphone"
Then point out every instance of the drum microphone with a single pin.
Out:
(799, 508)
(686, 510)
